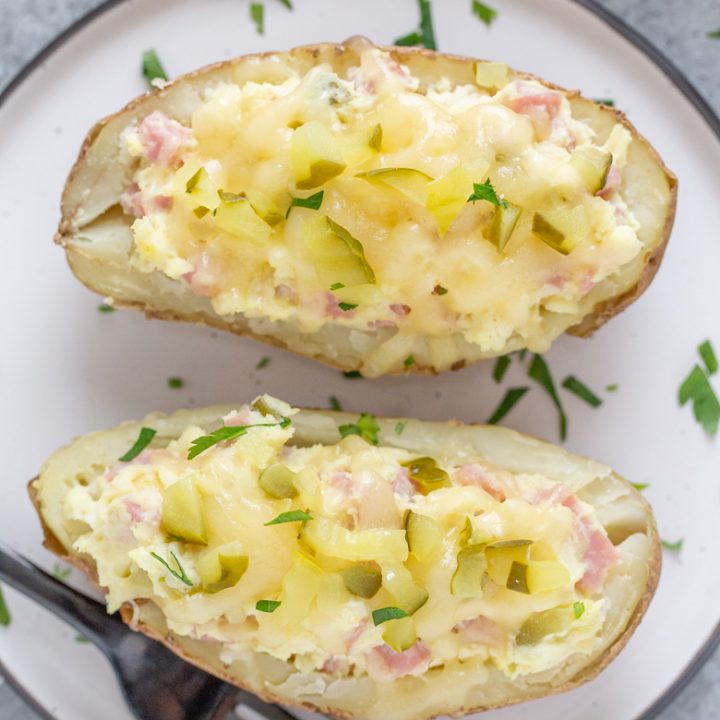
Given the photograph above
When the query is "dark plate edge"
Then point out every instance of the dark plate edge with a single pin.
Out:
(657, 57)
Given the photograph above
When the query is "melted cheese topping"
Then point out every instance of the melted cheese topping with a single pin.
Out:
(358, 495)
(521, 136)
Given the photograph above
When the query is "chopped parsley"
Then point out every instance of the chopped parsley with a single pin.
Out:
(287, 4)
(5, 618)
(409, 361)
(344, 306)
(708, 357)
(439, 290)
(351, 374)
(540, 372)
(484, 12)
(81, 639)
(60, 572)
(605, 101)
(262, 362)
(267, 606)
(145, 437)
(175, 383)
(335, 403)
(311, 203)
(706, 407)
(152, 68)
(511, 399)
(578, 388)
(179, 573)
(640, 486)
(501, 366)
(425, 35)
(673, 546)
(336, 286)
(613, 387)
(225, 433)
(366, 427)
(486, 191)
(257, 15)
(291, 516)
(105, 308)
(382, 615)
(578, 609)
(400, 426)
(714, 34)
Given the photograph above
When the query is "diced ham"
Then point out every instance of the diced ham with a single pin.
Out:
(356, 634)
(480, 630)
(400, 310)
(612, 182)
(162, 202)
(498, 487)
(131, 201)
(343, 482)
(334, 665)
(333, 309)
(378, 324)
(164, 140)
(135, 511)
(533, 100)
(198, 280)
(402, 484)
(284, 292)
(385, 665)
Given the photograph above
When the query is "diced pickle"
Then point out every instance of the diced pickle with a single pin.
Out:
(203, 191)
(357, 148)
(400, 634)
(545, 576)
(399, 582)
(411, 183)
(424, 536)
(503, 224)
(278, 481)
(466, 533)
(471, 566)
(501, 555)
(182, 512)
(337, 256)
(517, 578)
(362, 579)
(491, 75)
(236, 217)
(316, 155)
(448, 195)
(426, 474)
(222, 567)
(553, 236)
(271, 210)
(360, 294)
(541, 624)
(332, 539)
(593, 166)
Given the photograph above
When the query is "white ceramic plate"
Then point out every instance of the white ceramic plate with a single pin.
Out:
(66, 369)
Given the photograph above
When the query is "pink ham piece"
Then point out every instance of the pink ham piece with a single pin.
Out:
(197, 279)
(400, 310)
(534, 100)
(480, 630)
(473, 474)
(385, 665)
(135, 511)
(333, 309)
(612, 182)
(164, 140)
(402, 484)
(131, 201)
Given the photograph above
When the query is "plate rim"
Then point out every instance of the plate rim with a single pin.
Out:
(676, 76)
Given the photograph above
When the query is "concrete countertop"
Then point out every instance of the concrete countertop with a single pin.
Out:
(677, 27)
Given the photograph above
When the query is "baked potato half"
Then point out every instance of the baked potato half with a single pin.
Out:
(361, 567)
(380, 209)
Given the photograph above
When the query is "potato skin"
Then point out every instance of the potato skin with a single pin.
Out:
(154, 627)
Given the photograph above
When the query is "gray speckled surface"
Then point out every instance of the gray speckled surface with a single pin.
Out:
(677, 27)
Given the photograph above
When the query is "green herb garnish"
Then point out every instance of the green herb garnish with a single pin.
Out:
(400, 426)
(382, 615)
(640, 486)
(105, 308)
(81, 639)
(708, 357)
(613, 387)
(5, 618)
(60, 572)
(578, 609)
(486, 191)
(311, 203)
(714, 34)
(175, 383)
(578, 388)
(287, 4)
(425, 36)
(706, 407)
(501, 366)
(366, 427)
(152, 68)
(336, 286)
(409, 361)
(510, 400)
(540, 372)
(179, 573)
(335, 403)
(144, 439)
(484, 12)
(257, 15)
(267, 606)
(291, 516)
(344, 306)
(262, 362)
(605, 101)
(673, 546)
(351, 374)
(439, 290)
(225, 433)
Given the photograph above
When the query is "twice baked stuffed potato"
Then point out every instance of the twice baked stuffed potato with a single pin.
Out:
(364, 568)
(366, 206)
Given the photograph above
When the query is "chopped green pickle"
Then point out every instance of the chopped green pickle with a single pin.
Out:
(424, 536)
(517, 578)
(501, 556)
(541, 624)
(278, 481)
(182, 512)
(593, 166)
(503, 224)
(471, 566)
(552, 236)
(399, 582)
(320, 172)
(316, 155)
(376, 137)
(546, 575)
(362, 579)
(400, 634)
(236, 216)
(411, 183)
(426, 474)
(466, 533)
(222, 567)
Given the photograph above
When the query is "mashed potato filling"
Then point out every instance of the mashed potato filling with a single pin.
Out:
(351, 558)
(346, 199)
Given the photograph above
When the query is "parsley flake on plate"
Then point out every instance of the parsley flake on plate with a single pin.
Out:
(510, 400)
(540, 372)
(257, 15)
(366, 427)
(5, 618)
(335, 404)
(425, 36)
(578, 388)
(706, 407)
(484, 12)
(501, 366)
(152, 68)
(673, 546)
